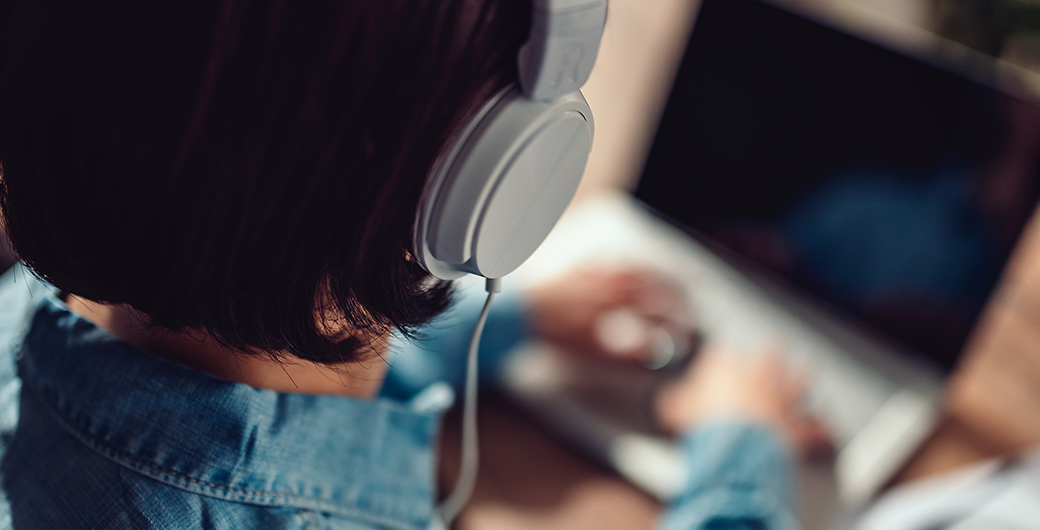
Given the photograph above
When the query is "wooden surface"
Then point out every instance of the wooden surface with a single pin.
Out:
(529, 479)
(993, 403)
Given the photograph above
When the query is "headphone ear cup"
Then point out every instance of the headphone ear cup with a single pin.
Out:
(503, 184)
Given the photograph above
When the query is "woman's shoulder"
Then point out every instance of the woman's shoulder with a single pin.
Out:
(50, 479)
(54, 485)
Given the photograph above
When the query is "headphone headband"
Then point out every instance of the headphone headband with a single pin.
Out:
(562, 47)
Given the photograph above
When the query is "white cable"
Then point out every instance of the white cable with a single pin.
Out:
(470, 451)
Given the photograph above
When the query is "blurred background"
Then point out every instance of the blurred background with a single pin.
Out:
(644, 41)
(1008, 29)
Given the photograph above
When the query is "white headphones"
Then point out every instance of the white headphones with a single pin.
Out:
(501, 185)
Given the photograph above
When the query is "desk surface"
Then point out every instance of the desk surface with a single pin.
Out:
(529, 479)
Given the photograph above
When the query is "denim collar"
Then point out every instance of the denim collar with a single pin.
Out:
(371, 460)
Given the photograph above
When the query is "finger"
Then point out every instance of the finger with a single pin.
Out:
(775, 363)
(661, 299)
(796, 384)
(649, 294)
(667, 408)
(814, 441)
(776, 347)
(623, 333)
(639, 285)
(770, 366)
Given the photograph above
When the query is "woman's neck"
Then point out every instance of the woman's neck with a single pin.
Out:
(201, 352)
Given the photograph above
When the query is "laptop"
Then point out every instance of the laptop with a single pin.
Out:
(855, 201)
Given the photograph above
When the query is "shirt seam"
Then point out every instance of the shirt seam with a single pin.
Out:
(93, 443)
(91, 439)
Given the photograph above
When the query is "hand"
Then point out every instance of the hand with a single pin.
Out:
(618, 314)
(720, 385)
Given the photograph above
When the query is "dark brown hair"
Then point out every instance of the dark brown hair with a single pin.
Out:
(224, 166)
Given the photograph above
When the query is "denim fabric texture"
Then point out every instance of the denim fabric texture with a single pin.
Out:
(97, 434)
(440, 355)
(739, 478)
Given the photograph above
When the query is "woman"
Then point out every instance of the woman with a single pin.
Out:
(221, 198)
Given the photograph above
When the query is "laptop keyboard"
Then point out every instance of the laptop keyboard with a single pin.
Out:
(842, 393)
(728, 307)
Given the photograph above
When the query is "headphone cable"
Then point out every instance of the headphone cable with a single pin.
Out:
(470, 450)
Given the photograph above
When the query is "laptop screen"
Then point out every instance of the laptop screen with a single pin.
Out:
(889, 189)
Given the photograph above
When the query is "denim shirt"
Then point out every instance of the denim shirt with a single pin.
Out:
(95, 433)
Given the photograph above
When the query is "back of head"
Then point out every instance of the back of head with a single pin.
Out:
(247, 169)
